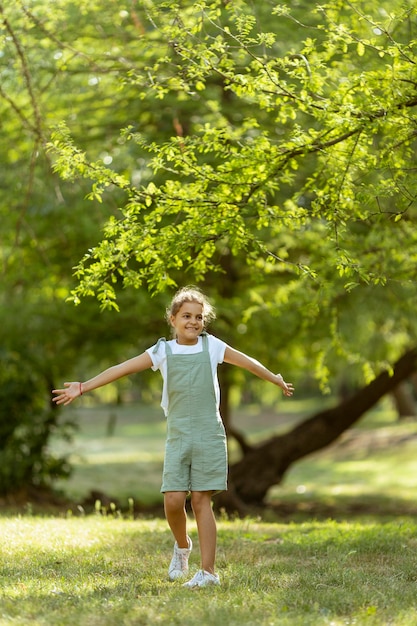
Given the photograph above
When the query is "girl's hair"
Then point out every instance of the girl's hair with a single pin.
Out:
(191, 294)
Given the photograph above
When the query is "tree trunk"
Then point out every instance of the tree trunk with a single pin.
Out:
(404, 401)
(264, 465)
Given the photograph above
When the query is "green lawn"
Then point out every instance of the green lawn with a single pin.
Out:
(109, 571)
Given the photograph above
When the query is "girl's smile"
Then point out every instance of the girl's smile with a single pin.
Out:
(196, 447)
(188, 323)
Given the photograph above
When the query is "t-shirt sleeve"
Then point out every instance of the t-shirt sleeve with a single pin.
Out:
(157, 353)
(218, 347)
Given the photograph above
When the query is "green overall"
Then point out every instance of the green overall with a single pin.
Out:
(195, 451)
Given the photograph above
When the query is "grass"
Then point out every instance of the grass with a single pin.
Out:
(108, 571)
(346, 554)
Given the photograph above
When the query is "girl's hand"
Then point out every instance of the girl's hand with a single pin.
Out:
(287, 388)
(66, 396)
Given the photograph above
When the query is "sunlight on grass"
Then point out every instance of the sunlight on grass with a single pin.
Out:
(386, 471)
(112, 571)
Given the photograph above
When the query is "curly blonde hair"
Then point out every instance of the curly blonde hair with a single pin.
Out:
(191, 294)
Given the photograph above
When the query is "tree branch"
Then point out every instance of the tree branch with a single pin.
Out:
(266, 464)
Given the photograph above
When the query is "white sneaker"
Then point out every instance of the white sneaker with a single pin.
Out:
(179, 562)
(202, 579)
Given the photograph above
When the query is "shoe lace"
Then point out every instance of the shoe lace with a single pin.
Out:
(180, 560)
(199, 576)
(183, 559)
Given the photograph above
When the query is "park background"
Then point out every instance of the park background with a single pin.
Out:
(265, 152)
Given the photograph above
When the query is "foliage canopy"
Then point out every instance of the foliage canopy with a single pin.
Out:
(294, 155)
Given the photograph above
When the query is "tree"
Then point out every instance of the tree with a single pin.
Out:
(343, 154)
(288, 184)
(310, 180)
(45, 228)
(265, 465)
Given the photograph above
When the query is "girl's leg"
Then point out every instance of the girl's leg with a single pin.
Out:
(206, 525)
(174, 504)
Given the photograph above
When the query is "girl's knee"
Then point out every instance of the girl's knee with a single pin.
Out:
(174, 500)
(200, 500)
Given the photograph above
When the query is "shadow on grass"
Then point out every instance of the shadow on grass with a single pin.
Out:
(338, 507)
(295, 507)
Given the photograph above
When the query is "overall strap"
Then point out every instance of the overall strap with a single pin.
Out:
(167, 348)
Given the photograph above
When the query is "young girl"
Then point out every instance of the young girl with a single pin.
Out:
(195, 453)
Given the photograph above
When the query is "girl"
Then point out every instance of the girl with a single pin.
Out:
(195, 453)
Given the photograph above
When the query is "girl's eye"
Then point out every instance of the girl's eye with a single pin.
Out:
(188, 316)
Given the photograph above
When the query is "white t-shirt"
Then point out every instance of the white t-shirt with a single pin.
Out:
(216, 349)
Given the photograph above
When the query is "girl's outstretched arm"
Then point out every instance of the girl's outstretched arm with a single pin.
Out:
(75, 389)
(234, 357)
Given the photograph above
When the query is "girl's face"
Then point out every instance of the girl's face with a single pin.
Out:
(188, 323)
